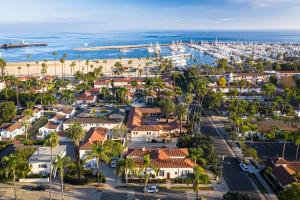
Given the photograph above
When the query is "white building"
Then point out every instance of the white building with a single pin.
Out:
(90, 122)
(69, 112)
(172, 163)
(48, 128)
(40, 160)
(12, 130)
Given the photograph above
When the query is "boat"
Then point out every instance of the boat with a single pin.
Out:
(151, 49)
(124, 50)
(157, 48)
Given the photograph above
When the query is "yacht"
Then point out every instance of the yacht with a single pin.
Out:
(124, 50)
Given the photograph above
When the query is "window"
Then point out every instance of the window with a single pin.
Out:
(44, 166)
(161, 173)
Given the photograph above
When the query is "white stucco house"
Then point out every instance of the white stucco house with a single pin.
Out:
(172, 163)
(12, 130)
(48, 128)
(40, 160)
(90, 122)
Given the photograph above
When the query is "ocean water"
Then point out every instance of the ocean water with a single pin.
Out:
(67, 42)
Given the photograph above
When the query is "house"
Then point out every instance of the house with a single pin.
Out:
(87, 98)
(69, 112)
(253, 78)
(40, 160)
(48, 128)
(102, 84)
(283, 171)
(281, 74)
(94, 135)
(254, 89)
(144, 124)
(90, 122)
(172, 163)
(12, 130)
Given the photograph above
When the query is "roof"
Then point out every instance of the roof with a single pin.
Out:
(136, 114)
(94, 135)
(163, 157)
(42, 154)
(283, 175)
(51, 125)
(91, 120)
(146, 128)
(67, 110)
(14, 126)
(155, 152)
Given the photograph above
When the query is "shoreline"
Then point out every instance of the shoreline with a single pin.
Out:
(55, 67)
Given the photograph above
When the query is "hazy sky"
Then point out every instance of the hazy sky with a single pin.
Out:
(112, 15)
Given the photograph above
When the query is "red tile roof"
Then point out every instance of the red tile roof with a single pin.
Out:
(93, 135)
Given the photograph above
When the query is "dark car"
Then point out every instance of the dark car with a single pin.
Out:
(38, 188)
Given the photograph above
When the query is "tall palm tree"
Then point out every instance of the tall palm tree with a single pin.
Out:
(129, 64)
(87, 62)
(37, 67)
(181, 111)
(44, 69)
(2, 67)
(62, 61)
(72, 66)
(76, 133)
(199, 176)
(61, 164)
(126, 166)
(55, 54)
(100, 152)
(188, 100)
(28, 66)
(195, 154)
(146, 165)
(105, 63)
(121, 93)
(11, 164)
(285, 136)
(19, 68)
(52, 141)
(296, 140)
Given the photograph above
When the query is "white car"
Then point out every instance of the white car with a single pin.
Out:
(151, 189)
(244, 167)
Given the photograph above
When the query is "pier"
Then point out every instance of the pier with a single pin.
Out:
(21, 45)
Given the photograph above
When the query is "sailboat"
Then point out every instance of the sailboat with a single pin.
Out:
(157, 48)
(151, 49)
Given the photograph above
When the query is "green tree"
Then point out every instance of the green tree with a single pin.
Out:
(55, 54)
(199, 177)
(126, 166)
(2, 67)
(181, 111)
(61, 164)
(76, 133)
(99, 151)
(235, 196)
(10, 165)
(8, 111)
(167, 106)
(62, 61)
(222, 82)
(52, 141)
(291, 192)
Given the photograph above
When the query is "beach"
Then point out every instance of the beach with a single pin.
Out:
(55, 67)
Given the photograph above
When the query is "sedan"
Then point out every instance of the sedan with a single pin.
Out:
(151, 189)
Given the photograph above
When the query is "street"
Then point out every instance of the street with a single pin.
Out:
(234, 177)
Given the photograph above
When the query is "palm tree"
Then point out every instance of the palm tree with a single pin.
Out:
(195, 154)
(199, 176)
(54, 55)
(19, 68)
(52, 141)
(44, 69)
(28, 66)
(188, 100)
(87, 62)
(125, 166)
(181, 111)
(62, 61)
(37, 67)
(10, 165)
(297, 142)
(146, 165)
(121, 93)
(285, 136)
(72, 66)
(129, 64)
(105, 63)
(99, 151)
(2, 67)
(61, 164)
(76, 133)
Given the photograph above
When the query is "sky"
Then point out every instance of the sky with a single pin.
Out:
(143, 15)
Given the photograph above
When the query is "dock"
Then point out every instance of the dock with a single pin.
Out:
(116, 47)
(21, 45)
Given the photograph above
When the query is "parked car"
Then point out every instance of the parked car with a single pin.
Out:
(244, 167)
(90, 166)
(38, 188)
(113, 163)
(151, 188)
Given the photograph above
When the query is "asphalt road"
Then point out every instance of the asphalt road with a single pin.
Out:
(163, 194)
(234, 177)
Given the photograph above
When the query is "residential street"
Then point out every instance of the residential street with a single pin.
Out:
(234, 177)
